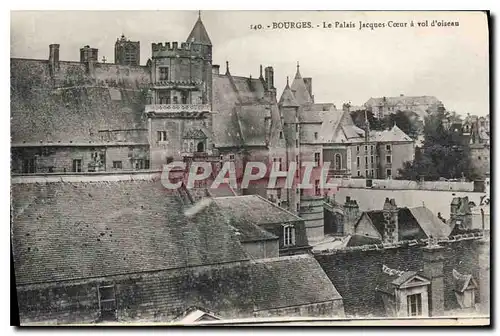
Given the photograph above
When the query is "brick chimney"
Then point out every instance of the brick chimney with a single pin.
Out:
(53, 58)
(391, 226)
(269, 77)
(433, 257)
(351, 215)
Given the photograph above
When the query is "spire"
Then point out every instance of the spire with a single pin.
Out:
(199, 33)
(287, 98)
(297, 75)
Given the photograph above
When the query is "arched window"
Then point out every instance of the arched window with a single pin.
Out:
(200, 147)
(288, 235)
(338, 162)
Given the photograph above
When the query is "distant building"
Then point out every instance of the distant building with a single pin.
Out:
(476, 131)
(421, 105)
(127, 52)
(88, 54)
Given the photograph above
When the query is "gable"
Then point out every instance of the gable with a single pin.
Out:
(365, 227)
(415, 281)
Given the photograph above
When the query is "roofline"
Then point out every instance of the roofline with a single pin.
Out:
(280, 208)
(78, 144)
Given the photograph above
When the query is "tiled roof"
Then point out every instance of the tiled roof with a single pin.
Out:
(255, 209)
(241, 107)
(287, 99)
(79, 230)
(430, 223)
(80, 107)
(199, 33)
(359, 240)
(462, 281)
(395, 134)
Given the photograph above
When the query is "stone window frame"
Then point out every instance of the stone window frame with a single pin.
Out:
(288, 235)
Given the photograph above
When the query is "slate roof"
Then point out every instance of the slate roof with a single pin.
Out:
(241, 107)
(255, 209)
(430, 223)
(67, 230)
(199, 33)
(462, 281)
(80, 107)
(359, 240)
(300, 91)
(287, 98)
(395, 134)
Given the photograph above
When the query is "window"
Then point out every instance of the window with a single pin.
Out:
(388, 148)
(146, 164)
(366, 149)
(163, 73)
(317, 189)
(298, 207)
(117, 164)
(371, 149)
(29, 166)
(176, 100)
(317, 158)
(231, 156)
(366, 160)
(414, 303)
(281, 135)
(315, 135)
(479, 158)
(288, 235)
(389, 173)
(359, 173)
(338, 162)
(357, 161)
(366, 173)
(371, 159)
(388, 159)
(371, 173)
(162, 135)
(107, 302)
(296, 143)
(77, 165)
(184, 97)
(357, 149)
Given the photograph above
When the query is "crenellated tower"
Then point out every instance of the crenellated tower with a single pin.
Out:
(180, 100)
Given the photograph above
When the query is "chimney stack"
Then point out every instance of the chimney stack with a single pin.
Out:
(433, 257)
(391, 225)
(54, 58)
(351, 215)
(269, 77)
(215, 69)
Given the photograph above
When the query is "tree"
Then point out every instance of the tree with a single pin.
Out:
(358, 117)
(443, 155)
(407, 121)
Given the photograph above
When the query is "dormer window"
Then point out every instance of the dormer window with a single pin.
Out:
(164, 73)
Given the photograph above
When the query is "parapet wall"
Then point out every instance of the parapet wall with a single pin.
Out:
(406, 185)
(185, 49)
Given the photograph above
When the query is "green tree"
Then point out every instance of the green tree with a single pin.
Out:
(443, 154)
(407, 121)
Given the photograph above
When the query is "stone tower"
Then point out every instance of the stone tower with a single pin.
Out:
(304, 148)
(180, 101)
(127, 52)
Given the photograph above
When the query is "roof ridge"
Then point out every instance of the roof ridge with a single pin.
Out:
(276, 206)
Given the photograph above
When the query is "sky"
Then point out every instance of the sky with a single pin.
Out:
(346, 64)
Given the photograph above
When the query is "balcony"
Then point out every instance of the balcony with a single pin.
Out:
(176, 108)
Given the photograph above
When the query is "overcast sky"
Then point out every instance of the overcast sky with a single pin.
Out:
(450, 63)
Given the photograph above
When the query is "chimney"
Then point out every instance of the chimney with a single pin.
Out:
(433, 257)
(215, 69)
(88, 54)
(460, 212)
(391, 227)
(351, 215)
(269, 77)
(54, 58)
